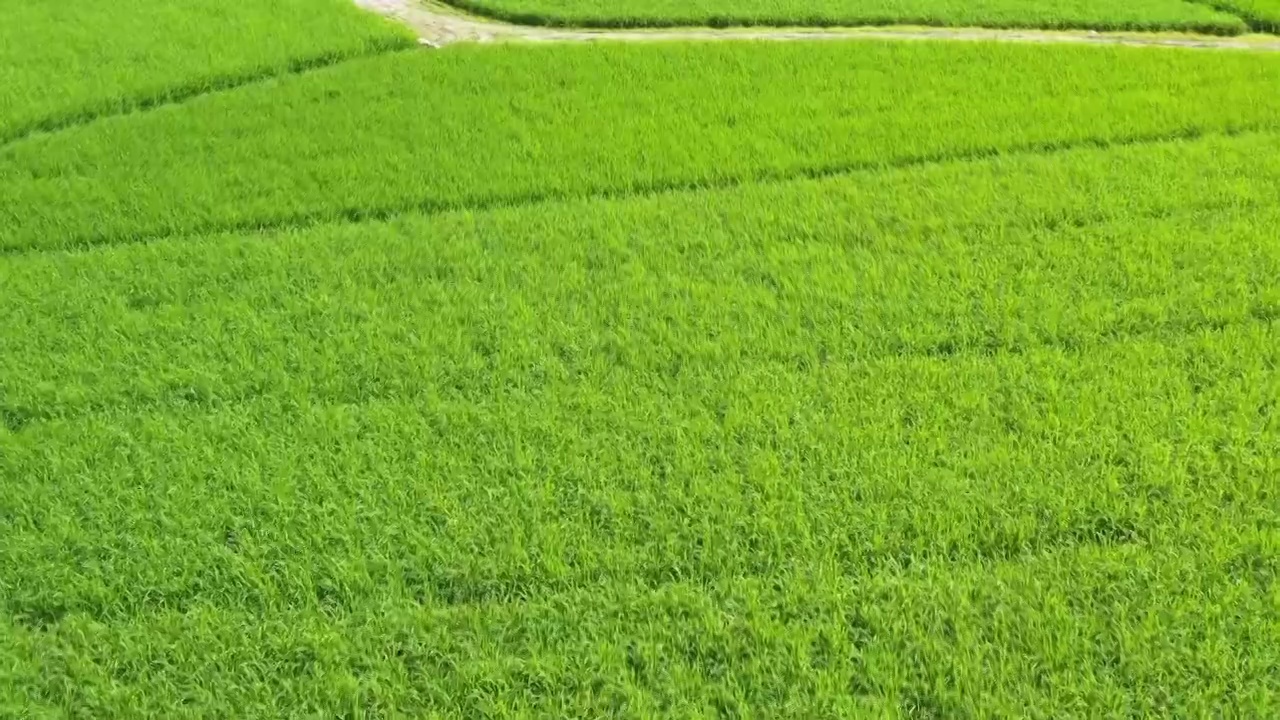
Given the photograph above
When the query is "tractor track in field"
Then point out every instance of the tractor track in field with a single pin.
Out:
(438, 25)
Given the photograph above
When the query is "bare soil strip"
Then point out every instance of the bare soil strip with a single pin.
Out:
(438, 25)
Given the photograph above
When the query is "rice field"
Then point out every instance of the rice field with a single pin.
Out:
(71, 60)
(1261, 15)
(792, 380)
(377, 136)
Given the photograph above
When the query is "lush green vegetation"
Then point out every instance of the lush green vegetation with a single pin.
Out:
(386, 134)
(1052, 14)
(72, 59)
(670, 380)
(962, 438)
(1263, 15)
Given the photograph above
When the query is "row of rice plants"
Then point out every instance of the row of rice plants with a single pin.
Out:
(1261, 15)
(878, 247)
(787, 447)
(69, 61)
(477, 127)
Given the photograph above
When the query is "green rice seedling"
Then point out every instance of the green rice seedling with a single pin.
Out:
(1046, 14)
(838, 380)
(1116, 217)
(379, 136)
(69, 61)
(1261, 15)
(978, 437)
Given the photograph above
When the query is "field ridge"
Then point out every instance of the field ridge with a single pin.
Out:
(441, 22)
(532, 18)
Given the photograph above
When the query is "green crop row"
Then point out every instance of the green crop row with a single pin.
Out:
(966, 438)
(1264, 14)
(1098, 624)
(953, 257)
(1261, 15)
(1091, 14)
(478, 127)
(803, 381)
(70, 60)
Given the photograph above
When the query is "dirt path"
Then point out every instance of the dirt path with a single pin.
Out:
(439, 25)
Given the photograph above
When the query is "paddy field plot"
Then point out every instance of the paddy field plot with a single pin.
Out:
(674, 380)
(74, 59)
(381, 135)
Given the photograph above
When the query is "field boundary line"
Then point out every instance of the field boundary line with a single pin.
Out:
(438, 24)
(355, 215)
(181, 94)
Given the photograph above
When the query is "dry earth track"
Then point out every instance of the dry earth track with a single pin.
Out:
(438, 25)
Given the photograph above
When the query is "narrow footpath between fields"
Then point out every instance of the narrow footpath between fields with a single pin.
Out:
(438, 25)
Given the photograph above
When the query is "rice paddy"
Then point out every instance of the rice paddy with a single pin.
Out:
(72, 60)
(669, 380)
